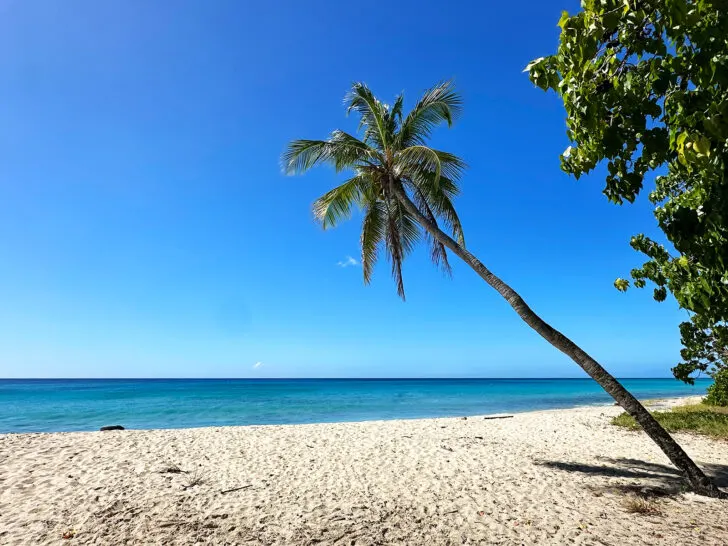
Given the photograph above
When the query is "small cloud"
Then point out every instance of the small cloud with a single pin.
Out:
(257, 365)
(347, 262)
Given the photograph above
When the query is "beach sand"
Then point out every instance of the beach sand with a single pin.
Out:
(546, 477)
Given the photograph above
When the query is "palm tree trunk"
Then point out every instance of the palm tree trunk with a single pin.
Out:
(695, 477)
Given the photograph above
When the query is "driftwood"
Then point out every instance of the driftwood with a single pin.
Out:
(498, 417)
(236, 489)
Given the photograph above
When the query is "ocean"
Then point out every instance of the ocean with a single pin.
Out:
(53, 405)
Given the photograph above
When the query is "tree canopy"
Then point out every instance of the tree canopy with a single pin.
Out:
(645, 88)
(392, 151)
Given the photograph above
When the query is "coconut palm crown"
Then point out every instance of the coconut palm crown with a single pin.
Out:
(391, 154)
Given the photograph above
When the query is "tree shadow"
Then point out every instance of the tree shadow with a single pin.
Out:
(664, 479)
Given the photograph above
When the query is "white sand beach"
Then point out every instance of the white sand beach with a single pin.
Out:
(547, 477)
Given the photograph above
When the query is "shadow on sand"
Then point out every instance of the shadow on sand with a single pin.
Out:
(664, 479)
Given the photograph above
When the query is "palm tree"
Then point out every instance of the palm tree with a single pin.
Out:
(405, 188)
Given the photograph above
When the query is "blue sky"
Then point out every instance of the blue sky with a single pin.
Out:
(146, 228)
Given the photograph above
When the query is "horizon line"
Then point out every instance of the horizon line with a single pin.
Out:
(314, 378)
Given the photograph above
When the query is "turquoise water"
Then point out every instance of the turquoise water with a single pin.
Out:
(51, 405)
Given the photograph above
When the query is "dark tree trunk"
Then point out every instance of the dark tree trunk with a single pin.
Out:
(695, 477)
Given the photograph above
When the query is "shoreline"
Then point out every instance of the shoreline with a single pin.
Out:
(651, 403)
(87, 405)
(542, 477)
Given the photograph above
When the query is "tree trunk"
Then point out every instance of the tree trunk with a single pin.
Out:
(695, 477)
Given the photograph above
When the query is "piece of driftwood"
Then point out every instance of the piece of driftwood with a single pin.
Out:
(498, 417)
(236, 489)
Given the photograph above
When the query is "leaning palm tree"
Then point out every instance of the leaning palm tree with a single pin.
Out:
(406, 189)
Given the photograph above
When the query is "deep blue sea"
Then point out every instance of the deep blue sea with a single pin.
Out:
(51, 405)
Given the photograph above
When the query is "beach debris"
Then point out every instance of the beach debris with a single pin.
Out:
(447, 448)
(197, 478)
(68, 535)
(236, 489)
(112, 427)
(498, 417)
(464, 418)
(641, 505)
(172, 468)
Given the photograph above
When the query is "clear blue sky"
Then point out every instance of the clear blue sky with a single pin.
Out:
(146, 228)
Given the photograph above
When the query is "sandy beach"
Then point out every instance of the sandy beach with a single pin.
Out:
(547, 477)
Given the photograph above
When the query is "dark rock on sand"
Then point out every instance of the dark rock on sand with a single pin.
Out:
(112, 427)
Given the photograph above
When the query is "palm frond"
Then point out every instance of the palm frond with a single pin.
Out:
(341, 150)
(439, 104)
(371, 112)
(393, 118)
(372, 234)
(439, 200)
(398, 107)
(446, 210)
(427, 179)
(335, 205)
(409, 229)
(452, 166)
(348, 151)
(395, 252)
(438, 254)
(301, 155)
(402, 232)
(417, 159)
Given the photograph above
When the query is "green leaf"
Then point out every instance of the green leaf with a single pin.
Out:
(702, 145)
(563, 20)
(621, 284)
